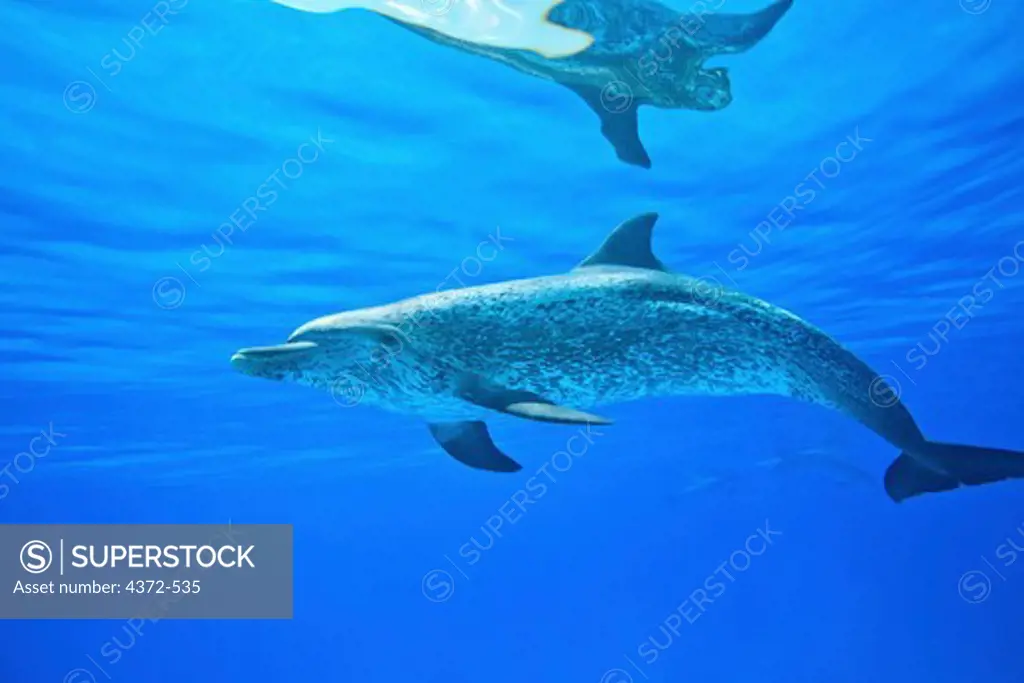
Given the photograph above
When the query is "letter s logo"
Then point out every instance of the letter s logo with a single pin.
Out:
(36, 557)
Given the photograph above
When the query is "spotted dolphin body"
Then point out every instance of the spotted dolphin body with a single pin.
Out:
(617, 328)
(643, 53)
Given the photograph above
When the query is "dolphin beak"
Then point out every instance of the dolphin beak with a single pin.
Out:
(262, 360)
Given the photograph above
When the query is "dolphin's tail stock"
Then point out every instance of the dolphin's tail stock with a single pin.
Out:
(909, 476)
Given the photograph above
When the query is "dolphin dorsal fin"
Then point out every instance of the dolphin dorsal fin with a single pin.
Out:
(629, 245)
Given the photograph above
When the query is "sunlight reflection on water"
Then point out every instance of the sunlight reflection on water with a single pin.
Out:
(521, 25)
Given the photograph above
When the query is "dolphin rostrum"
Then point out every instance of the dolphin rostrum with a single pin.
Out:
(618, 327)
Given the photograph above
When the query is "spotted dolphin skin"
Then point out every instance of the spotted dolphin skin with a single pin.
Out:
(617, 328)
(643, 53)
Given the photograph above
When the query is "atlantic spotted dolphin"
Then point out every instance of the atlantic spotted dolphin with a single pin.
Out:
(617, 328)
(643, 53)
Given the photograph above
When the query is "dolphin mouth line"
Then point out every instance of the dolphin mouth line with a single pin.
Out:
(259, 353)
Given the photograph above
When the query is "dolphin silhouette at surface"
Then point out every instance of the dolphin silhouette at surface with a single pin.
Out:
(643, 53)
(619, 327)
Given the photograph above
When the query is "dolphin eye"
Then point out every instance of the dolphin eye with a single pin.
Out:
(706, 93)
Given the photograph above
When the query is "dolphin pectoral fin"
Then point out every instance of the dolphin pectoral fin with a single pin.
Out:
(523, 404)
(548, 412)
(619, 123)
(471, 444)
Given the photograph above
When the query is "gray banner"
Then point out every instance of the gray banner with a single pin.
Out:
(146, 571)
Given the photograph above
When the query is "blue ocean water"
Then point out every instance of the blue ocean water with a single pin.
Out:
(121, 308)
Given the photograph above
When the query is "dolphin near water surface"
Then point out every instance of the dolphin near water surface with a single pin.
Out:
(615, 55)
(643, 53)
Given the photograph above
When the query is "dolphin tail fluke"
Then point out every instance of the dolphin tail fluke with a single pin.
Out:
(907, 476)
